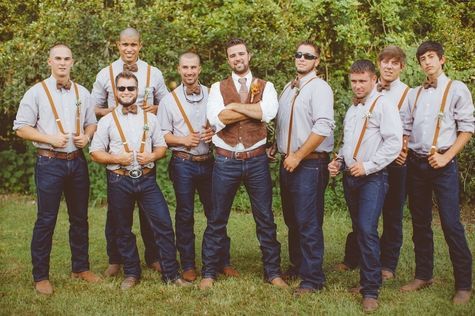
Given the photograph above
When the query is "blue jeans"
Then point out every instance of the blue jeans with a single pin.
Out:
(189, 177)
(53, 177)
(302, 193)
(365, 197)
(151, 251)
(123, 192)
(444, 182)
(227, 176)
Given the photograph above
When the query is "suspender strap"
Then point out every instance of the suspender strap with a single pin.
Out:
(363, 130)
(440, 117)
(289, 138)
(417, 98)
(147, 85)
(78, 110)
(122, 136)
(401, 101)
(112, 79)
(185, 117)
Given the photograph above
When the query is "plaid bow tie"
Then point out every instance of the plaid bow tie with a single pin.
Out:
(66, 85)
(357, 101)
(380, 87)
(193, 90)
(133, 67)
(428, 83)
(129, 109)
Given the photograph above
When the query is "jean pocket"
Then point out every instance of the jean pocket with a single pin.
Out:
(44, 161)
(114, 177)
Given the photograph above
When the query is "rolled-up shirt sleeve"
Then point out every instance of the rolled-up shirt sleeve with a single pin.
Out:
(322, 109)
(27, 114)
(90, 114)
(100, 141)
(269, 103)
(165, 118)
(156, 135)
(406, 112)
(99, 90)
(161, 89)
(215, 106)
(463, 109)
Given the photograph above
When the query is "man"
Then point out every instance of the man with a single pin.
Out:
(58, 116)
(182, 117)
(434, 141)
(304, 139)
(372, 140)
(129, 141)
(391, 61)
(151, 90)
(238, 108)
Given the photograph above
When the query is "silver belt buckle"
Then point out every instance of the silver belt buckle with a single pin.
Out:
(135, 173)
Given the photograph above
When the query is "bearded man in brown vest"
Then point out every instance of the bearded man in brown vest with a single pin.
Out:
(239, 108)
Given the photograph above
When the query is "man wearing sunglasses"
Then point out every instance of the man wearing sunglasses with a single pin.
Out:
(239, 108)
(182, 117)
(129, 140)
(151, 90)
(58, 116)
(304, 139)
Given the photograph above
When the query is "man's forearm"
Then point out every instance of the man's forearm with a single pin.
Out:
(102, 111)
(230, 116)
(105, 158)
(460, 142)
(312, 142)
(30, 133)
(253, 111)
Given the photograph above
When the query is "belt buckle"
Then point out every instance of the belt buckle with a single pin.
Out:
(135, 173)
(239, 154)
(69, 156)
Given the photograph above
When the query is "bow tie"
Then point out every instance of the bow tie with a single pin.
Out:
(66, 85)
(427, 84)
(357, 101)
(129, 109)
(133, 67)
(193, 90)
(380, 87)
(295, 83)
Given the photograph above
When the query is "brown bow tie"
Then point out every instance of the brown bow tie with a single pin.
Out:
(357, 101)
(193, 90)
(427, 84)
(129, 109)
(66, 85)
(295, 83)
(133, 67)
(380, 87)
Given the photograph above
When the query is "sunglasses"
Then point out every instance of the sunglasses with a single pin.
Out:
(306, 56)
(129, 88)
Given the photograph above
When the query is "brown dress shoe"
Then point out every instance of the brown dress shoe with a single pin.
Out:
(387, 275)
(189, 275)
(355, 290)
(279, 282)
(229, 271)
(112, 270)
(370, 304)
(128, 283)
(206, 283)
(416, 285)
(182, 283)
(301, 291)
(87, 276)
(155, 266)
(341, 267)
(462, 297)
(44, 287)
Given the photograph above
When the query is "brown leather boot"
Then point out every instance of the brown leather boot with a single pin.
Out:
(370, 304)
(206, 283)
(229, 271)
(128, 283)
(279, 282)
(355, 290)
(387, 275)
(44, 287)
(462, 297)
(341, 267)
(416, 285)
(87, 276)
(189, 275)
(155, 266)
(301, 291)
(112, 270)
(182, 283)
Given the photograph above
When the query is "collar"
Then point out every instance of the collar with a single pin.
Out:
(307, 77)
(52, 81)
(248, 77)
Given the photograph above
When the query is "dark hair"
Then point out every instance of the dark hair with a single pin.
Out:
(236, 41)
(392, 51)
(126, 75)
(309, 43)
(430, 46)
(362, 66)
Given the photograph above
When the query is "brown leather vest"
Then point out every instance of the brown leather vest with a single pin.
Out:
(250, 131)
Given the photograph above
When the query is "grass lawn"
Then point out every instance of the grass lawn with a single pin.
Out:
(246, 295)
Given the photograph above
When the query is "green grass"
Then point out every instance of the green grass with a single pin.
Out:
(246, 295)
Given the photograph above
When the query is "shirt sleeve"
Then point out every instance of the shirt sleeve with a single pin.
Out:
(463, 109)
(215, 106)
(165, 117)
(100, 140)
(156, 134)
(269, 103)
(89, 107)
(322, 110)
(99, 91)
(407, 111)
(160, 90)
(27, 114)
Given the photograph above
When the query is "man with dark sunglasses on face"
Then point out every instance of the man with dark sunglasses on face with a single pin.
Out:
(304, 135)
(129, 140)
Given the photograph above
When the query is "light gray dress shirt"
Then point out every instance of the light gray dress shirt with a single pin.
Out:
(382, 141)
(420, 123)
(393, 96)
(103, 94)
(172, 121)
(313, 113)
(35, 111)
(269, 105)
(107, 137)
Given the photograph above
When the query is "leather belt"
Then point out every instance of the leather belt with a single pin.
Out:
(314, 155)
(125, 172)
(188, 156)
(59, 154)
(241, 155)
(421, 157)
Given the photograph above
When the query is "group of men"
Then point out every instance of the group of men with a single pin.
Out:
(393, 135)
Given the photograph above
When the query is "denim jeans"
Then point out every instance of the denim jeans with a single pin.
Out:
(123, 192)
(444, 182)
(302, 194)
(189, 177)
(151, 251)
(227, 176)
(53, 177)
(365, 197)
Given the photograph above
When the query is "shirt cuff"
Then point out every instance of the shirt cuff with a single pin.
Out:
(369, 167)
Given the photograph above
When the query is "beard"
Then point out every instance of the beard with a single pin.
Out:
(127, 103)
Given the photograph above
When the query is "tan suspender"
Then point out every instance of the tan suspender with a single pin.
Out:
(363, 130)
(182, 111)
(147, 85)
(401, 101)
(112, 79)
(122, 136)
(55, 112)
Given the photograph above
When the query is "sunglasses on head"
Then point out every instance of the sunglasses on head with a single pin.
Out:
(129, 88)
(306, 56)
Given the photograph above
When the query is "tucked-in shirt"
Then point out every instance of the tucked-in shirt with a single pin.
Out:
(382, 141)
(313, 113)
(172, 121)
(394, 95)
(269, 105)
(107, 137)
(35, 111)
(420, 123)
(103, 94)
